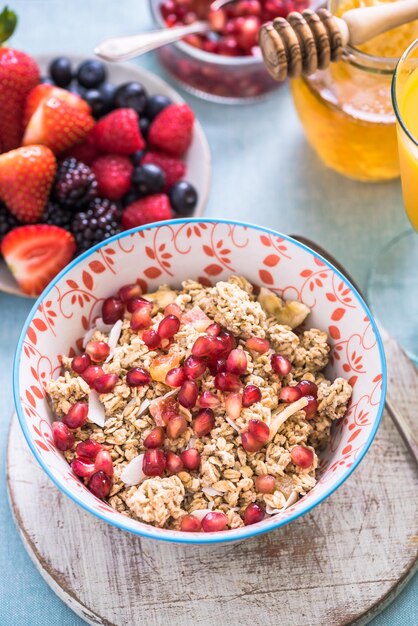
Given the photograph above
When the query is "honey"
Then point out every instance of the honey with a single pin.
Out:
(346, 110)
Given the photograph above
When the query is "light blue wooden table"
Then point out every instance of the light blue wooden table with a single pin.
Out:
(264, 172)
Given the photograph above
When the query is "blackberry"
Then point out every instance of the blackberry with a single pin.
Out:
(75, 184)
(57, 215)
(99, 220)
(7, 221)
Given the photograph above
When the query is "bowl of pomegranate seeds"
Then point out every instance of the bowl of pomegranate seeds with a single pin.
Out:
(199, 380)
(223, 64)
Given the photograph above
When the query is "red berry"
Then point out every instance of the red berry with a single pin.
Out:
(301, 456)
(214, 522)
(253, 514)
(190, 524)
(77, 415)
(147, 210)
(251, 395)
(112, 310)
(137, 377)
(80, 363)
(118, 133)
(88, 448)
(63, 437)
(113, 174)
(188, 394)
(105, 383)
(154, 463)
(174, 464)
(191, 459)
(173, 168)
(155, 439)
(100, 485)
(172, 130)
(203, 422)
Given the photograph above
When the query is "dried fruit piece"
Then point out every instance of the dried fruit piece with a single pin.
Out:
(161, 365)
(289, 313)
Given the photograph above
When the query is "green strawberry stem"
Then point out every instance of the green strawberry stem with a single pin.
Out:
(8, 21)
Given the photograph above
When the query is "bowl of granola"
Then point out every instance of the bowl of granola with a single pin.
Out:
(199, 380)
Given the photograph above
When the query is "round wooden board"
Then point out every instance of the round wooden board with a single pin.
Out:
(340, 564)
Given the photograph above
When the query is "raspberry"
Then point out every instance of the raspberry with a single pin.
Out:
(75, 184)
(150, 209)
(85, 152)
(7, 221)
(99, 220)
(118, 133)
(172, 129)
(113, 174)
(173, 168)
(56, 215)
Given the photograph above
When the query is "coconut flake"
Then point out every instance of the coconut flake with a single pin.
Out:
(144, 406)
(98, 325)
(96, 409)
(201, 513)
(210, 491)
(232, 423)
(291, 500)
(191, 443)
(133, 474)
(285, 414)
(114, 338)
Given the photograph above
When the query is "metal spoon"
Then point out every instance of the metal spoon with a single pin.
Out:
(398, 419)
(128, 47)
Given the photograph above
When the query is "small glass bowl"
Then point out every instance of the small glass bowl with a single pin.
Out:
(214, 77)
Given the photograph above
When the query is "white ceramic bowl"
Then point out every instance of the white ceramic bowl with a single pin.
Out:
(208, 250)
(198, 159)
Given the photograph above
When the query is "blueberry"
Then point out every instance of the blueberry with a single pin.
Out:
(156, 104)
(130, 95)
(108, 92)
(144, 125)
(77, 89)
(148, 179)
(137, 157)
(91, 73)
(95, 100)
(61, 71)
(183, 197)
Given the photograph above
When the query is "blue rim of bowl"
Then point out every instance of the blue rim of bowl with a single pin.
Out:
(178, 536)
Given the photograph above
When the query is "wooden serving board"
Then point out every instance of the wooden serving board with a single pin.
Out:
(340, 564)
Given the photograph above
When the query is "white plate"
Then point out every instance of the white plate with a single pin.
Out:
(199, 168)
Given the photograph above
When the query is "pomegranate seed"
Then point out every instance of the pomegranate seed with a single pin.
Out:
(250, 443)
(280, 364)
(63, 437)
(265, 483)
(83, 467)
(233, 405)
(208, 400)
(194, 367)
(77, 415)
(176, 426)
(225, 381)
(137, 377)
(228, 341)
(301, 456)
(100, 485)
(154, 463)
(174, 464)
(290, 394)
(128, 292)
(307, 388)
(141, 318)
(175, 377)
(80, 363)
(207, 346)
(214, 522)
(91, 373)
(213, 330)
(191, 459)
(259, 430)
(88, 448)
(216, 366)
(217, 20)
(247, 32)
(151, 339)
(203, 422)
(258, 345)
(155, 439)
(173, 309)
(248, 7)
(190, 524)
(106, 383)
(168, 327)
(311, 408)
(135, 304)
(98, 350)
(188, 394)
(112, 310)
(104, 463)
(236, 362)
(251, 395)
(253, 513)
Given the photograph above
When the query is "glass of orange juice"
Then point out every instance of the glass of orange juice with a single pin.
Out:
(393, 285)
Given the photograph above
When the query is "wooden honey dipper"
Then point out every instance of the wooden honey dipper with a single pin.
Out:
(305, 42)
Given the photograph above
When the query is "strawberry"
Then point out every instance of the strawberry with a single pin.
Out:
(172, 130)
(57, 124)
(118, 133)
(40, 92)
(113, 174)
(173, 168)
(36, 253)
(26, 177)
(150, 209)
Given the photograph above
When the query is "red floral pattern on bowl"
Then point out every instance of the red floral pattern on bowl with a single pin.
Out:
(207, 250)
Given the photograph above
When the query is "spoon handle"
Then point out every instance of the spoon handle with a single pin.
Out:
(368, 22)
(124, 48)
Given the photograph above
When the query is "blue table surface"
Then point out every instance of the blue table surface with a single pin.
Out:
(264, 172)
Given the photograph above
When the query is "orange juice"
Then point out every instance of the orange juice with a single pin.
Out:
(346, 110)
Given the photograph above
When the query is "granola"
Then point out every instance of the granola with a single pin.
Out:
(198, 425)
